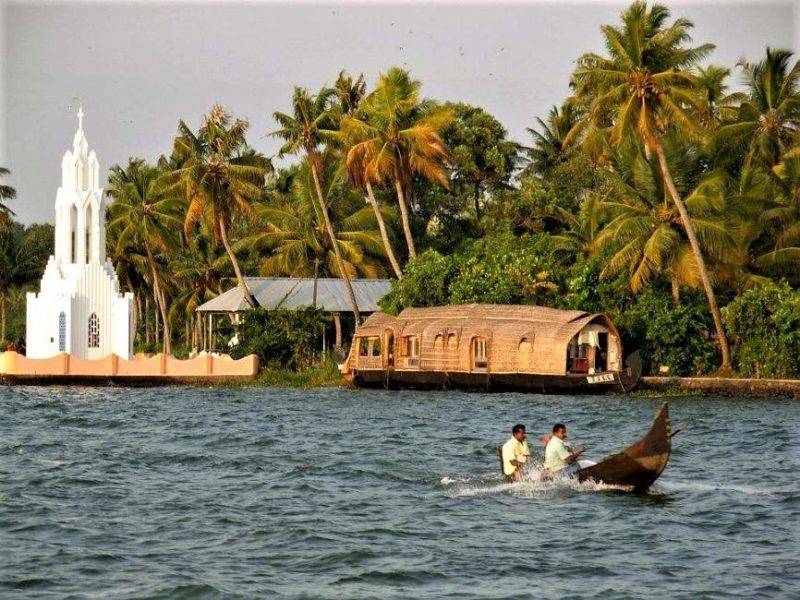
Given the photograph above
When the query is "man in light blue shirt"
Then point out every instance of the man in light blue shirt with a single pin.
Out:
(559, 456)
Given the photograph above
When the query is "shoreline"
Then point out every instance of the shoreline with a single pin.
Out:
(327, 377)
(722, 386)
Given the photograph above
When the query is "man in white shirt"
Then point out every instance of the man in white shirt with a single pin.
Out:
(559, 454)
(515, 453)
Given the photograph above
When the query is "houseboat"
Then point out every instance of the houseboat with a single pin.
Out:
(491, 347)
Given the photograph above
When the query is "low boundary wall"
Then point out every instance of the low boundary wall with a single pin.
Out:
(726, 386)
(142, 368)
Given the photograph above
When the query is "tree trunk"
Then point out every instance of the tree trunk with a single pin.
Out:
(676, 290)
(698, 256)
(337, 324)
(159, 297)
(248, 295)
(401, 200)
(137, 312)
(156, 321)
(3, 316)
(384, 236)
(147, 319)
(332, 235)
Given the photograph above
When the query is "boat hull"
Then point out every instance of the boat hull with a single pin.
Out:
(493, 382)
(639, 465)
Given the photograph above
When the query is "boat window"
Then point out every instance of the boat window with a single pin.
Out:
(525, 354)
(479, 353)
(363, 347)
(438, 342)
(452, 341)
(412, 350)
(376, 346)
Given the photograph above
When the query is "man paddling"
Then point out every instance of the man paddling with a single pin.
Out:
(559, 456)
(515, 453)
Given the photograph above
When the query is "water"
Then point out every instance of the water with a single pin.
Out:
(209, 493)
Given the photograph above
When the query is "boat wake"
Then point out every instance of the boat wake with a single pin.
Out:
(536, 483)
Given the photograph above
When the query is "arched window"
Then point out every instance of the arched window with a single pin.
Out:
(480, 355)
(62, 332)
(73, 240)
(525, 354)
(94, 331)
(438, 343)
(88, 225)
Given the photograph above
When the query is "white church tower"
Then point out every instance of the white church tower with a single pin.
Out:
(79, 308)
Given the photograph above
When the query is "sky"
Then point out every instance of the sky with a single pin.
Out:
(140, 66)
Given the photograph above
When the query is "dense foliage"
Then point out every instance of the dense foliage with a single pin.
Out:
(284, 338)
(764, 323)
(653, 193)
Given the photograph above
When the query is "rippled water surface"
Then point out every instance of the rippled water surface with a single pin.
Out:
(194, 493)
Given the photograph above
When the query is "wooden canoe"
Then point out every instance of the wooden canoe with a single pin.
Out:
(640, 464)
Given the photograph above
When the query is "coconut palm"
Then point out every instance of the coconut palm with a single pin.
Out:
(398, 138)
(548, 138)
(719, 105)
(645, 230)
(349, 92)
(143, 216)
(310, 124)
(6, 193)
(643, 89)
(357, 168)
(782, 220)
(19, 263)
(295, 234)
(769, 118)
(220, 177)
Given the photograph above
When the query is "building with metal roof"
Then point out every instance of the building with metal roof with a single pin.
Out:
(328, 294)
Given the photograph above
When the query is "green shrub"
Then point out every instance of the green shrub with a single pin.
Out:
(675, 335)
(285, 338)
(764, 326)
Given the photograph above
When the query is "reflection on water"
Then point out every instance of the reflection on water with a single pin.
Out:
(195, 493)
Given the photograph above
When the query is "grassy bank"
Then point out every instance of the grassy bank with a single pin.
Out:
(322, 375)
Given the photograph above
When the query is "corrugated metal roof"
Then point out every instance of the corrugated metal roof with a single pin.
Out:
(295, 292)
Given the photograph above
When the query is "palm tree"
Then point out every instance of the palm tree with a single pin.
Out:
(143, 216)
(719, 106)
(769, 118)
(645, 230)
(220, 177)
(295, 233)
(349, 92)
(642, 90)
(310, 124)
(782, 219)
(398, 137)
(199, 275)
(357, 169)
(6, 193)
(548, 138)
(19, 263)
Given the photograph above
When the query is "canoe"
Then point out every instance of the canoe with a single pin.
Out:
(640, 464)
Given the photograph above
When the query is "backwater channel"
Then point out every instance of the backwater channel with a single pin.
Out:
(257, 492)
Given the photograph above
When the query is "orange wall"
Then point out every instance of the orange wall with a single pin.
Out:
(159, 365)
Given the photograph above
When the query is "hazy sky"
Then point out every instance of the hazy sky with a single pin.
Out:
(138, 67)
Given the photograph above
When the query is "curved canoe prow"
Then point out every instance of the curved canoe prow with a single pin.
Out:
(639, 465)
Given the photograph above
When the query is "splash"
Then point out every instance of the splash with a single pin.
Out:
(536, 483)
